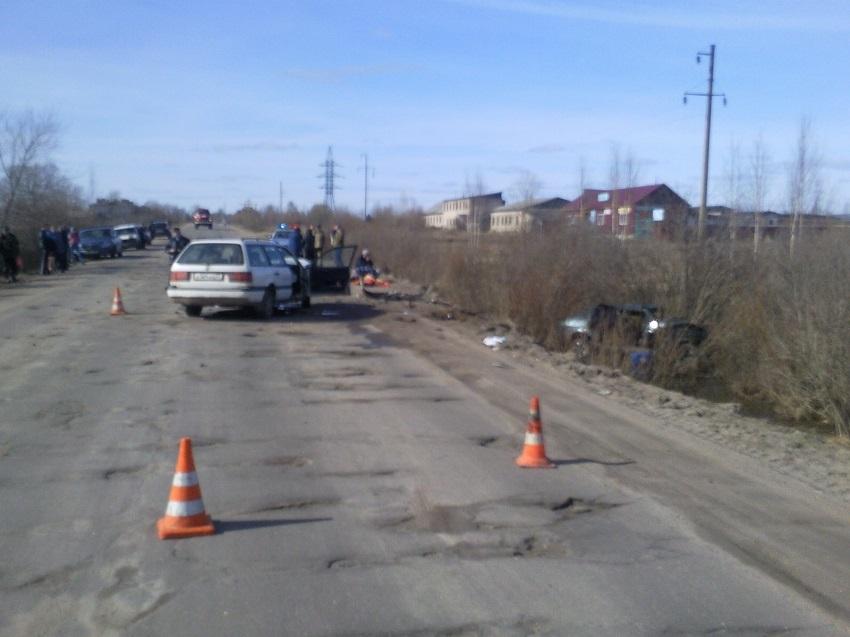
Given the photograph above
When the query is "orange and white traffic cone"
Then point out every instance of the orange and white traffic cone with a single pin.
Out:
(533, 454)
(185, 515)
(117, 304)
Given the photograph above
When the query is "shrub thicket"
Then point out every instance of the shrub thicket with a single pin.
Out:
(779, 327)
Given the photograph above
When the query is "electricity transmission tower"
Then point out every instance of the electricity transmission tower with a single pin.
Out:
(329, 176)
(710, 97)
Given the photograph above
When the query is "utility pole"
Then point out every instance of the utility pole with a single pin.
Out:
(365, 186)
(329, 175)
(710, 97)
(280, 197)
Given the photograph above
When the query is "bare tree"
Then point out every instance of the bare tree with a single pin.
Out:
(623, 172)
(734, 190)
(805, 189)
(527, 186)
(473, 188)
(759, 160)
(25, 139)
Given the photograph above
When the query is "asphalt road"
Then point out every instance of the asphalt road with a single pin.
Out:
(360, 470)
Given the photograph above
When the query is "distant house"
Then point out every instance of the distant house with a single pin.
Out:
(642, 211)
(465, 213)
(722, 222)
(527, 215)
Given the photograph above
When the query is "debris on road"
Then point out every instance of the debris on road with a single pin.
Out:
(495, 342)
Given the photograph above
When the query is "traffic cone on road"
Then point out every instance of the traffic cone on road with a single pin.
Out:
(185, 515)
(533, 454)
(117, 304)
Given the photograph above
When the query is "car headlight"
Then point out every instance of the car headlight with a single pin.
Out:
(653, 325)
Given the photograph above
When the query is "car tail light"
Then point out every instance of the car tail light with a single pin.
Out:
(240, 277)
(179, 276)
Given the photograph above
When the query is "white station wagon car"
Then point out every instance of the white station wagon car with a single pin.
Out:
(254, 273)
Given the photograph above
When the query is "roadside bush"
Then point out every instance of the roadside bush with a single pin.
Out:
(779, 330)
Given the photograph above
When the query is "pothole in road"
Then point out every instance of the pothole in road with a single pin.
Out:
(287, 461)
(208, 442)
(497, 442)
(349, 353)
(117, 472)
(342, 372)
(375, 473)
(61, 415)
(258, 353)
(512, 513)
(291, 505)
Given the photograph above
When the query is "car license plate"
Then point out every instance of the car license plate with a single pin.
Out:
(208, 276)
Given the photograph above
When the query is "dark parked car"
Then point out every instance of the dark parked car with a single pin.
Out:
(96, 243)
(159, 229)
(131, 236)
(627, 326)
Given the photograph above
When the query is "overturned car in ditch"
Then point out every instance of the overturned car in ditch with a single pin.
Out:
(618, 329)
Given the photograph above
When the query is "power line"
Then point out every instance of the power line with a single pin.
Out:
(365, 170)
(710, 98)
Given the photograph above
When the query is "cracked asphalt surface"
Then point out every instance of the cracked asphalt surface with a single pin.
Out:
(360, 471)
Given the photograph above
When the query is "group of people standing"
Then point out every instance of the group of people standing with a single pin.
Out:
(58, 248)
(10, 253)
(311, 245)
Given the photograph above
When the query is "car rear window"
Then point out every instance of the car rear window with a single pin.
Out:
(212, 254)
(257, 256)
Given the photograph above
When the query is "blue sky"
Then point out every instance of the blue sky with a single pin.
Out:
(216, 103)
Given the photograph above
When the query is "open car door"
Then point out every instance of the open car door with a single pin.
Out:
(332, 272)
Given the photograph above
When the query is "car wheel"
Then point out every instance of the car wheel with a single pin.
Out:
(193, 310)
(266, 308)
(581, 349)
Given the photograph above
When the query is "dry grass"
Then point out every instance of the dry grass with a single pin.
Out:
(779, 329)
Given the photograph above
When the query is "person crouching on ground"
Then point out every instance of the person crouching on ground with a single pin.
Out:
(365, 265)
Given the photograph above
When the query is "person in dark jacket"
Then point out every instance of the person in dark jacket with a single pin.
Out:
(11, 251)
(74, 245)
(176, 243)
(365, 265)
(310, 245)
(63, 248)
(47, 242)
(294, 242)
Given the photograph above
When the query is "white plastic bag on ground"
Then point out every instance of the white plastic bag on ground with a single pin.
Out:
(494, 341)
